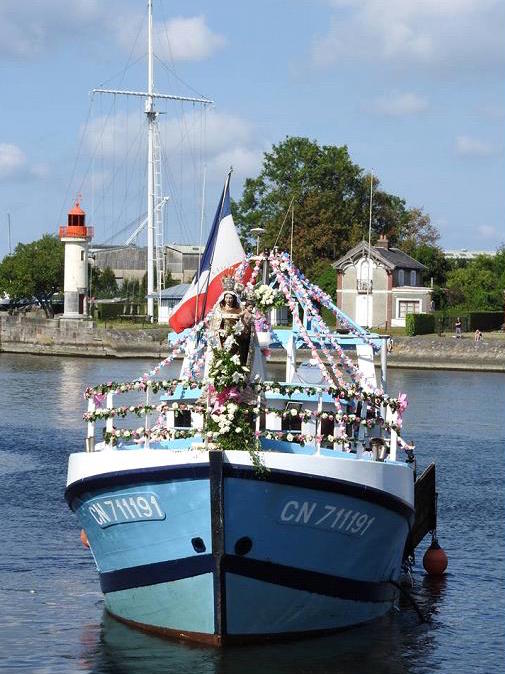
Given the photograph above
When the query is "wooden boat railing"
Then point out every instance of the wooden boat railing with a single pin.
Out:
(359, 443)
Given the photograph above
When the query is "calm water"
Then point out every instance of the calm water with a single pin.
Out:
(51, 609)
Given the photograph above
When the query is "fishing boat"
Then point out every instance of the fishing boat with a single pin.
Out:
(247, 506)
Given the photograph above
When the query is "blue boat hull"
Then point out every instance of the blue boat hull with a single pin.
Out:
(216, 553)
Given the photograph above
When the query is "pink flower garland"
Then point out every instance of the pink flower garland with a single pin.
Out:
(351, 369)
(305, 335)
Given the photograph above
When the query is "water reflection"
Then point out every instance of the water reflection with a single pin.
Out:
(49, 592)
(378, 647)
(68, 392)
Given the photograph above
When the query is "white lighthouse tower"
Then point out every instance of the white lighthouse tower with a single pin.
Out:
(76, 237)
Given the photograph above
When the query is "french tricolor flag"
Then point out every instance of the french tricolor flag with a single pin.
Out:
(221, 257)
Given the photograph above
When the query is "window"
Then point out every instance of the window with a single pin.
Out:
(408, 307)
(327, 427)
(182, 419)
(280, 316)
(413, 278)
(401, 277)
(82, 256)
(291, 422)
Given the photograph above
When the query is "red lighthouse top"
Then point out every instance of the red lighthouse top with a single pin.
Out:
(76, 210)
(76, 228)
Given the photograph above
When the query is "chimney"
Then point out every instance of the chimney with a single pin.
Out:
(383, 242)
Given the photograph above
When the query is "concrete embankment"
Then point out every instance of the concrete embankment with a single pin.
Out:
(59, 337)
(447, 353)
(26, 334)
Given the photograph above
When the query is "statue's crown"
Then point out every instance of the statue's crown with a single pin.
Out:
(228, 283)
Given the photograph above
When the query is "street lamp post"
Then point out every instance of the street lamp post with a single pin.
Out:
(257, 232)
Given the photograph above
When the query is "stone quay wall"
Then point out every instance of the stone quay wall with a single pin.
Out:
(67, 337)
(35, 335)
(448, 353)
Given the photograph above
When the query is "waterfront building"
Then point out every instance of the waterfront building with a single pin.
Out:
(126, 262)
(169, 297)
(182, 261)
(379, 285)
(130, 262)
(465, 254)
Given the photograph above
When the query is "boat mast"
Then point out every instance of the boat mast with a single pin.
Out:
(151, 121)
(153, 198)
(369, 244)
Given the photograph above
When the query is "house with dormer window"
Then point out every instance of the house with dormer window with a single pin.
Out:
(380, 285)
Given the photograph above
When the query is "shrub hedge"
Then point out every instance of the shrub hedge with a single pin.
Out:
(470, 320)
(108, 311)
(419, 324)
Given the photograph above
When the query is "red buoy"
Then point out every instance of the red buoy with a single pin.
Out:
(435, 560)
(84, 539)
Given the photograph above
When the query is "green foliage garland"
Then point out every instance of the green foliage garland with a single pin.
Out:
(229, 421)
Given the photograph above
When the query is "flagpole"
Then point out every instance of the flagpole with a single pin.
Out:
(369, 244)
(200, 242)
(225, 190)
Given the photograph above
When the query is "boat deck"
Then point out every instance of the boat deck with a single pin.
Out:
(267, 445)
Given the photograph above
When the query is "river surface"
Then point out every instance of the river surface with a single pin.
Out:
(51, 608)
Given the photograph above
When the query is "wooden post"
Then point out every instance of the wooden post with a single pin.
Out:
(361, 431)
(384, 367)
(393, 443)
(109, 424)
(90, 438)
(146, 423)
(318, 421)
(258, 417)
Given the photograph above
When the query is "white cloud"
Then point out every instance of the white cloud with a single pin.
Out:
(224, 130)
(110, 136)
(492, 111)
(28, 30)
(178, 39)
(40, 170)
(186, 39)
(434, 33)
(487, 231)
(398, 104)
(245, 162)
(12, 161)
(14, 164)
(116, 137)
(466, 146)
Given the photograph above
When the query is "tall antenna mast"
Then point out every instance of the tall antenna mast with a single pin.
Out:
(369, 244)
(150, 97)
(9, 232)
(151, 121)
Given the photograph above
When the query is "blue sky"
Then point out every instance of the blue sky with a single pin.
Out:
(414, 88)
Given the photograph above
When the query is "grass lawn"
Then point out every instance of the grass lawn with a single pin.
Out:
(117, 324)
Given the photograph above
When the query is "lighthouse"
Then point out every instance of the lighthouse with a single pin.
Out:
(76, 236)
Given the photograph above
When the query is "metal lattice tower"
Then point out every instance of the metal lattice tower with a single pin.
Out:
(155, 252)
(159, 244)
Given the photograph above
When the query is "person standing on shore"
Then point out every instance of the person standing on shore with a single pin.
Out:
(457, 327)
(477, 337)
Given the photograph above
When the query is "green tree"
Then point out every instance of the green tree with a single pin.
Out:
(326, 278)
(125, 289)
(34, 270)
(169, 280)
(104, 284)
(435, 261)
(329, 197)
(480, 284)
(416, 231)
(135, 288)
